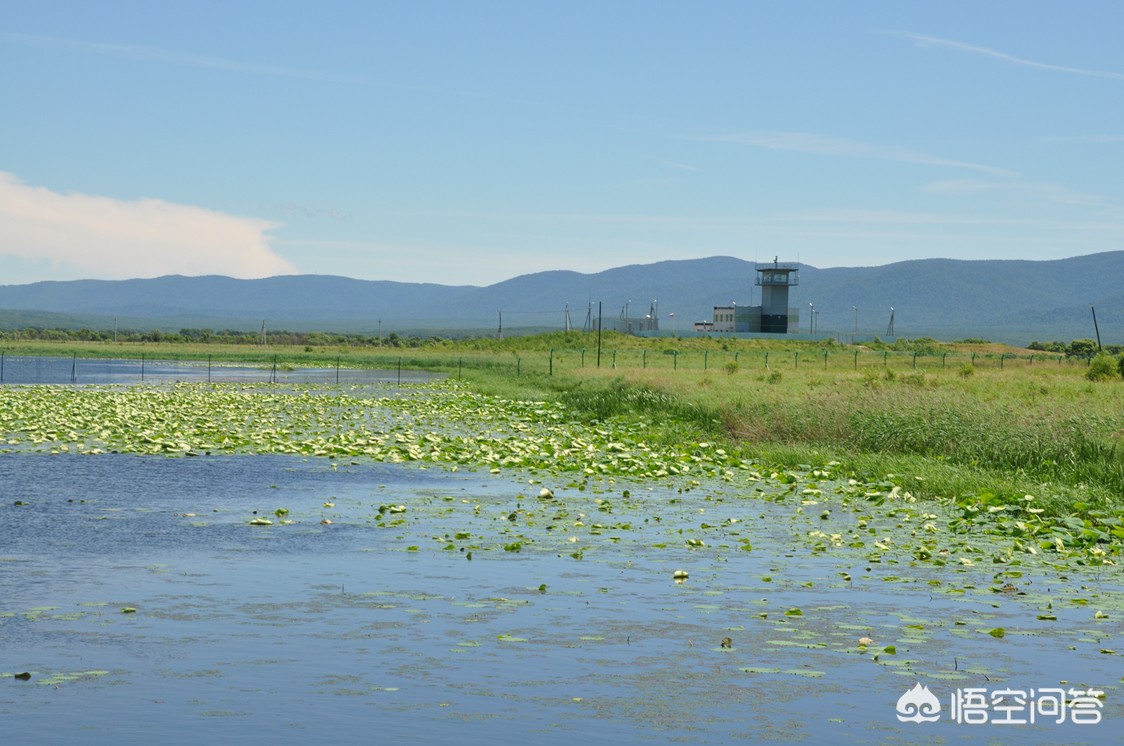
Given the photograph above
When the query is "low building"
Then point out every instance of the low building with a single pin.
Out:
(773, 316)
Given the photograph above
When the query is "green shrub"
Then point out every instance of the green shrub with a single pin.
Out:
(916, 378)
(1103, 368)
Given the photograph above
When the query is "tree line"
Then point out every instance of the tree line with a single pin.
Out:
(1080, 348)
(224, 336)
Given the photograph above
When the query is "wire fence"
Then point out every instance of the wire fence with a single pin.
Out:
(553, 361)
(418, 365)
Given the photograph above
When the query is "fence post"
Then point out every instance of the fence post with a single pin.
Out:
(856, 359)
(795, 360)
(825, 359)
(551, 361)
(915, 360)
(706, 357)
(583, 357)
(885, 355)
(74, 369)
(675, 359)
(142, 367)
(766, 359)
(644, 358)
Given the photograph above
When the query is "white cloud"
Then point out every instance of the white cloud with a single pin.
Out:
(106, 238)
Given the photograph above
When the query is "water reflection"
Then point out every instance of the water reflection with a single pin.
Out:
(378, 626)
(16, 369)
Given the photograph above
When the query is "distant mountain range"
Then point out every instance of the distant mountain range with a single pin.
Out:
(999, 300)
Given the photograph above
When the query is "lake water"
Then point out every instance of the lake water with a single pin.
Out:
(19, 369)
(414, 624)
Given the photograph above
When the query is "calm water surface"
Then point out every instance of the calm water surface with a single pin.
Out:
(351, 632)
(35, 369)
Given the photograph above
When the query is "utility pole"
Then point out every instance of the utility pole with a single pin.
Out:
(598, 334)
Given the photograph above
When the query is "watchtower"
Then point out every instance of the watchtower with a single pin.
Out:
(775, 279)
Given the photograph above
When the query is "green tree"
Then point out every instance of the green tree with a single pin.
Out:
(1082, 348)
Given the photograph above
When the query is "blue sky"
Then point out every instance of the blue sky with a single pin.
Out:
(470, 142)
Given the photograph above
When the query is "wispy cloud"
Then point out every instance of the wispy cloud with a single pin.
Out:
(294, 210)
(1030, 195)
(153, 54)
(1084, 139)
(890, 221)
(673, 164)
(806, 142)
(116, 239)
(933, 41)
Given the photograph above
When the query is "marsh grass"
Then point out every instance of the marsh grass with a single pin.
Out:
(1044, 431)
(1037, 432)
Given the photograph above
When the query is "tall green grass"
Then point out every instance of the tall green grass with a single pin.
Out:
(1030, 431)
